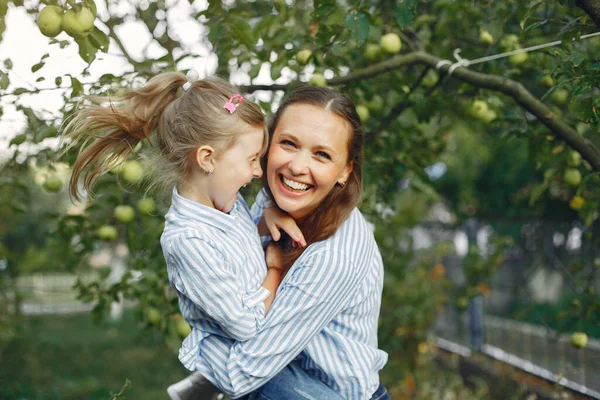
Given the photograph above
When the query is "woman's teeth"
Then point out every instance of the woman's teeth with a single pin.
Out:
(295, 185)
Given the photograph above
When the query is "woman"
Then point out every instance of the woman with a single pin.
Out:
(323, 322)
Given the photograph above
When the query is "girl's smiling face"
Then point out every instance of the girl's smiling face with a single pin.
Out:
(236, 167)
(308, 156)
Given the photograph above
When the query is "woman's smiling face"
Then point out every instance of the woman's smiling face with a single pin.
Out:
(308, 156)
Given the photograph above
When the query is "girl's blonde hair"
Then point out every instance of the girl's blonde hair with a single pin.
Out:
(109, 128)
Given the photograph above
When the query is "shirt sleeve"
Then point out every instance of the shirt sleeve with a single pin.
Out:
(309, 298)
(261, 202)
(208, 280)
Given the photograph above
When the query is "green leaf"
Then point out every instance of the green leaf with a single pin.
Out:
(40, 79)
(324, 9)
(3, 11)
(254, 70)
(99, 39)
(37, 66)
(536, 25)
(582, 108)
(529, 13)
(537, 192)
(87, 49)
(19, 91)
(4, 80)
(358, 25)
(406, 10)
(8, 63)
(77, 87)
(58, 80)
(241, 31)
(17, 140)
(594, 66)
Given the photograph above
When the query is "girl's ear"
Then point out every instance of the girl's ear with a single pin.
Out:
(205, 158)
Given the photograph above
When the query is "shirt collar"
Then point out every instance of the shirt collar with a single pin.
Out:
(196, 212)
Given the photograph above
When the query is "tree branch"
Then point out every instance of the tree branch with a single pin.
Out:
(503, 85)
(591, 8)
(112, 34)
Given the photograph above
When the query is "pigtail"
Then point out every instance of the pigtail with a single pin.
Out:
(108, 128)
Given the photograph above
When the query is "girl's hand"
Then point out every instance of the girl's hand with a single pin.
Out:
(276, 220)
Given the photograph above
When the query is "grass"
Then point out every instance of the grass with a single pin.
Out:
(69, 357)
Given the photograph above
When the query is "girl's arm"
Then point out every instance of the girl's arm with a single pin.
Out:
(313, 293)
(203, 275)
(275, 273)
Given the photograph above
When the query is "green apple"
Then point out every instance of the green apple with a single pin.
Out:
(574, 159)
(390, 43)
(479, 109)
(547, 80)
(124, 214)
(372, 52)
(107, 232)
(509, 42)
(182, 328)
(133, 172)
(430, 79)
(363, 113)
(78, 24)
(153, 315)
(302, 56)
(572, 177)
(53, 184)
(376, 103)
(579, 339)
(485, 37)
(462, 303)
(146, 206)
(49, 20)
(577, 203)
(115, 166)
(560, 96)
(318, 80)
(489, 116)
(519, 58)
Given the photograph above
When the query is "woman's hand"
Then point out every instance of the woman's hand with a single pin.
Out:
(273, 220)
(274, 257)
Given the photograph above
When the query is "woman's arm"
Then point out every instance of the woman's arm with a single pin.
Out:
(312, 294)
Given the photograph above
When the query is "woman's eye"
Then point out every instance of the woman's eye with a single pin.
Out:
(287, 143)
(322, 154)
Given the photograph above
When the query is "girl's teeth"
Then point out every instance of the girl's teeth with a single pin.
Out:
(295, 185)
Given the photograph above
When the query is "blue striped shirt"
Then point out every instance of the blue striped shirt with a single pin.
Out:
(216, 264)
(324, 316)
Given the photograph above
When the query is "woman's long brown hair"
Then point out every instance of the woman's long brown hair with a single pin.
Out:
(326, 219)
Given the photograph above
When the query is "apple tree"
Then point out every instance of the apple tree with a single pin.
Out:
(434, 81)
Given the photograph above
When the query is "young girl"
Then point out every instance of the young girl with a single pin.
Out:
(210, 140)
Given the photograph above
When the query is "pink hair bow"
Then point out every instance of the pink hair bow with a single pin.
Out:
(230, 105)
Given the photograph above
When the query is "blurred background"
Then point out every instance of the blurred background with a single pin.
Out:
(481, 182)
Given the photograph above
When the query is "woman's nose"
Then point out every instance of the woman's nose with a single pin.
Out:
(299, 164)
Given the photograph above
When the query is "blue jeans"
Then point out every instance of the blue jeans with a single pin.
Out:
(293, 383)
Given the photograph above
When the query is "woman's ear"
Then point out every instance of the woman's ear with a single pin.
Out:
(345, 174)
(205, 158)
